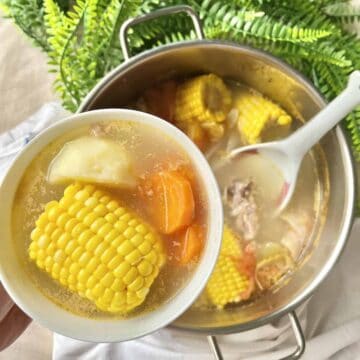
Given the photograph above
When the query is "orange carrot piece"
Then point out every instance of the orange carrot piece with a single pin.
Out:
(160, 100)
(186, 246)
(192, 244)
(169, 200)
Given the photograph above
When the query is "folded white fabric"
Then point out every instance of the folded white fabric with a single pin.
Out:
(13, 141)
(331, 320)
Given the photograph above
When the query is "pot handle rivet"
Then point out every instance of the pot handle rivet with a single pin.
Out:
(299, 336)
(153, 15)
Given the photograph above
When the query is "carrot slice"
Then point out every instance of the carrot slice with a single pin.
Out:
(192, 244)
(187, 245)
(169, 200)
(160, 100)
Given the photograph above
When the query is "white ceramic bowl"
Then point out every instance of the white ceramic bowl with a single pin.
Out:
(25, 294)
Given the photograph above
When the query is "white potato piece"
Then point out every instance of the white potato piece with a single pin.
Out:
(93, 160)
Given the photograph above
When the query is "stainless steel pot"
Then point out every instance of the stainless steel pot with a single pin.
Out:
(285, 85)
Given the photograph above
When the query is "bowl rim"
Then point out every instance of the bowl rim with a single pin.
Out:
(346, 155)
(175, 306)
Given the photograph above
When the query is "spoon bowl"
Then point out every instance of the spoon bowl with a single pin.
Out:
(286, 155)
(276, 153)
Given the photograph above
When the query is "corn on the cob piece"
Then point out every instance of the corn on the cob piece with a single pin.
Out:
(205, 100)
(227, 283)
(257, 114)
(96, 248)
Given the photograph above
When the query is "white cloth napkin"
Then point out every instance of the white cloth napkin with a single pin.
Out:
(331, 320)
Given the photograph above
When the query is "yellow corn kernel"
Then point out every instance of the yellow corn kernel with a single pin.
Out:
(114, 262)
(118, 285)
(111, 235)
(119, 299)
(131, 298)
(145, 268)
(49, 228)
(92, 264)
(59, 256)
(91, 282)
(134, 257)
(204, 100)
(91, 202)
(136, 284)
(125, 248)
(43, 241)
(226, 284)
(84, 258)
(93, 246)
(63, 240)
(258, 116)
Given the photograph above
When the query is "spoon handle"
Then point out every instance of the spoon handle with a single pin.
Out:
(311, 132)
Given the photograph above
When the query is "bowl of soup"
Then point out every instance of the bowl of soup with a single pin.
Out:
(111, 225)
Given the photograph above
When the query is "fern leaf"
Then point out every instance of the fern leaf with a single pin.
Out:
(306, 19)
(28, 15)
(345, 11)
(331, 82)
(256, 24)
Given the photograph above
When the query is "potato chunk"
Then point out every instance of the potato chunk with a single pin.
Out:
(93, 160)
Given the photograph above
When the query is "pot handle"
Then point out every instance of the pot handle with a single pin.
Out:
(299, 336)
(153, 15)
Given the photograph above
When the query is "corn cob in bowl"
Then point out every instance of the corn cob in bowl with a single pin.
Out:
(97, 248)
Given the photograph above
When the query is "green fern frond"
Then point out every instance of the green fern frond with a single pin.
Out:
(256, 24)
(29, 17)
(57, 29)
(320, 53)
(344, 11)
(330, 81)
(351, 45)
(313, 20)
(82, 43)
(156, 32)
(62, 29)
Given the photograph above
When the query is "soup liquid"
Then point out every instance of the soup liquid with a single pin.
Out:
(149, 150)
(305, 212)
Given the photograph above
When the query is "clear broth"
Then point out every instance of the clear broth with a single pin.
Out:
(304, 214)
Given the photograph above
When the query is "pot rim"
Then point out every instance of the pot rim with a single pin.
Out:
(347, 157)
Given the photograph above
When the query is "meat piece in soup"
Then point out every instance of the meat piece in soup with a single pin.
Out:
(240, 200)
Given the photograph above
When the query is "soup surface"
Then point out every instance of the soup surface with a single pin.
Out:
(260, 250)
(122, 181)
